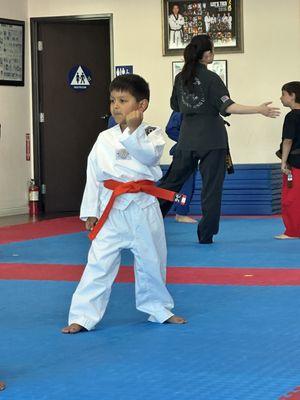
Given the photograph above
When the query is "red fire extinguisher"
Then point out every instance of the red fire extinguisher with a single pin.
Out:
(33, 199)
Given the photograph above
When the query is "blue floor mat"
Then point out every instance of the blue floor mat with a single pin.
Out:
(241, 242)
(241, 343)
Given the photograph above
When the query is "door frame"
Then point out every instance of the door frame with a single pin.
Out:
(36, 131)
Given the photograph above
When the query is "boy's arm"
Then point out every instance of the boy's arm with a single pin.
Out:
(286, 148)
(90, 205)
(145, 144)
(289, 133)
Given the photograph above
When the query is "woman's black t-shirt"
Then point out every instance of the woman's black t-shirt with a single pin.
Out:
(202, 127)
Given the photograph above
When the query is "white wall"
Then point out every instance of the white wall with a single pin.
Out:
(271, 58)
(15, 123)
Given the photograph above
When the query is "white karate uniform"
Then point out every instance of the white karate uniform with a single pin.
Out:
(176, 24)
(135, 222)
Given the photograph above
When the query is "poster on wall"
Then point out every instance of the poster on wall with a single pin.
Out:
(217, 66)
(123, 70)
(183, 19)
(11, 52)
(79, 77)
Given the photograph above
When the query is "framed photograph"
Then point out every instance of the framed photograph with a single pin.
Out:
(12, 52)
(176, 68)
(217, 66)
(183, 19)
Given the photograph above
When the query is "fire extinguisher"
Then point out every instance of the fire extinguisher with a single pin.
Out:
(33, 199)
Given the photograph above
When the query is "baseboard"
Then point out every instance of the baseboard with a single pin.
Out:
(5, 212)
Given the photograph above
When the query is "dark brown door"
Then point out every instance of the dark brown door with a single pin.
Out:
(72, 117)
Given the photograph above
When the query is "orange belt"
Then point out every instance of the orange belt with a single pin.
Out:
(145, 186)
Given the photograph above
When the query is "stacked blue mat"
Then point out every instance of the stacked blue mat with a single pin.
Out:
(254, 189)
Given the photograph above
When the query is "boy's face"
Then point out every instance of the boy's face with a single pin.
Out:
(123, 103)
(287, 99)
(175, 9)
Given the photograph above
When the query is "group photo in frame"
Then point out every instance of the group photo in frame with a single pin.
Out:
(183, 19)
(217, 66)
(12, 52)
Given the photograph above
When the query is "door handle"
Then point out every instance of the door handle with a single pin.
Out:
(105, 116)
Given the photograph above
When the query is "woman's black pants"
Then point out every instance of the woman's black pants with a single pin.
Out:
(212, 167)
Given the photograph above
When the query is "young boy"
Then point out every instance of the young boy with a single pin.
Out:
(2, 385)
(290, 162)
(127, 152)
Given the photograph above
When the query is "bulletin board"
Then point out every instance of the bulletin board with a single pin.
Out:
(12, 52)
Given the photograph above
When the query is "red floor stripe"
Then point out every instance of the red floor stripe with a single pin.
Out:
(40, 229)
(180, 275)
(294, 395)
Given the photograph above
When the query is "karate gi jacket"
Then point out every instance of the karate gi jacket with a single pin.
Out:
(124, 157)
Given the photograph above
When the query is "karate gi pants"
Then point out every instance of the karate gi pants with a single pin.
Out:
(212, 168)
(290, 204)
(142, 231)
(175, 39)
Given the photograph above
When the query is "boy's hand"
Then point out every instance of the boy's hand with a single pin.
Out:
(90, 223)
(271, 112)
(285, 168)
(134, 120)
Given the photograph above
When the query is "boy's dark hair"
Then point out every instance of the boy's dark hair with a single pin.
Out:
(132, 83)
(293, 87)
(173, 5)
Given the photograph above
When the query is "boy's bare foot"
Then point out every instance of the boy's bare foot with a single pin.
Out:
(73, 328)
(185, 218)
(283, 236)
(176, 320)
(2, 385)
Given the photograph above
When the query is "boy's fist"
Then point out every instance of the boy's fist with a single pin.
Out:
(90, 223)
(285, 168)
(134, 120)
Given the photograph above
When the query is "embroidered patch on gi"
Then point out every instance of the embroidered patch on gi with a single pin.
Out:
(192, 100)
(149, 129)
(122, 154)
(224, 99)
(180, 198)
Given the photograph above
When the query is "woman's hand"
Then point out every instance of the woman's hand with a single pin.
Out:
(271, 112)
(90, 223)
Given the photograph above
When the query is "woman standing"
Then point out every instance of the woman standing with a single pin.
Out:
(201, 96)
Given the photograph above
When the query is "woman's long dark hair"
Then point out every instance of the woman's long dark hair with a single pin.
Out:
(193, 53)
